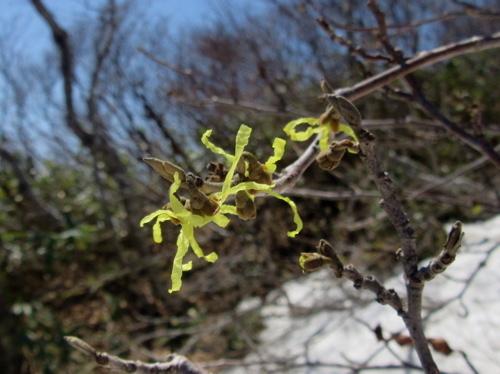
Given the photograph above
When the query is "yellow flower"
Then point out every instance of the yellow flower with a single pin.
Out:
(188, 220)
(315, 127)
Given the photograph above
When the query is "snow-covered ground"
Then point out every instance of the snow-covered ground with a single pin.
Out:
(314, 321)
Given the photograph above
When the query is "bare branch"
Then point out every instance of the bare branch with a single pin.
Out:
(332, 195)
(353, 49)
(398, 218)
(365, 87)
(293, 172)
(475, 142)
(176, 364)
(474, 165)
(446, 257)
(61, 38)
(384, 183)
(186, 72)
(370, 283)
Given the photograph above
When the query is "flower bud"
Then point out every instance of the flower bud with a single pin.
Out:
(216, 172)
(313, 261)
(330, 158)
(200, 203)
(325, 87)
(210, 207)
(245, 206)
(325, 249)
(256, 171)
(325, 163)
(330, 118)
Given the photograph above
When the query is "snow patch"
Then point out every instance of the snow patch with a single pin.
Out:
(316, 326)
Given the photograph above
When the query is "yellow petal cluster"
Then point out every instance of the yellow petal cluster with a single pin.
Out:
(188, 221)
(315, 128)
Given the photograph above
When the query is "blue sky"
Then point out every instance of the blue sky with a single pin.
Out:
(24, 35)
(24, 27)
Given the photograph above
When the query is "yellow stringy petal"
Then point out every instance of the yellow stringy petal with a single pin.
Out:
(266, 189)
(189, 221)
(151, 217)
(176, 205)
(296, 217)
(348, 130)
(301, 136)
(324, 141)
(220, 219)
(161, 215)
(157, 232)
(189, 234)
(178, 268)
(228, 209)
(279, 149)
(213, 147)
(242, 138)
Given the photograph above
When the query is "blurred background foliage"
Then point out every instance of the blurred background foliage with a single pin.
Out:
(73, 259)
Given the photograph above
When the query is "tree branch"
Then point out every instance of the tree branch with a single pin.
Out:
(446, 257)
(175, 364)
(365, 87)
(370, 283)
(61, 38)
(477, 143)
(398, 218)
(292, 173)
(474, 165)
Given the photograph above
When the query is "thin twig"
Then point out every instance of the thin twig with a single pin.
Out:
(175, 364)
(474, 165)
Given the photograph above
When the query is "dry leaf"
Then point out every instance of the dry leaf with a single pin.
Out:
(441, 346)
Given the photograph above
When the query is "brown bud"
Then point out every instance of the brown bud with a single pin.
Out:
(454, 240)
(217, 172)
(256, 171)
(330, 158)
(346, 109)
(166, 169)
(330, 118)
(325, 249)
(313, 261)
(325, 87)
(325, 163)
(245, 206)
(200, 203)
(210, 207)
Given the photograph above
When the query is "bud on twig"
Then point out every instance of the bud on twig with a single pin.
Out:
(175, 363)
(330, 158)
(313, 261)
(325, 249)
(245, 206)
(454, 240)
(200, 203)
(217, 172)
(325, 87)
(346, 109)
(256, 171)
(439, 263)
(331, 117)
